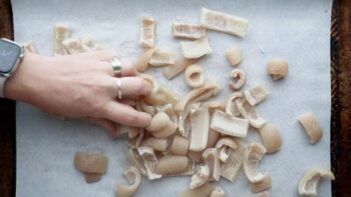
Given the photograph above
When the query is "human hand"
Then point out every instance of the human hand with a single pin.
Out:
(80, 86)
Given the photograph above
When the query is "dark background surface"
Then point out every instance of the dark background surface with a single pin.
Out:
(340, 119)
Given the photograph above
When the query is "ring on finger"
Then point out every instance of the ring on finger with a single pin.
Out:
(116, 66)
(119, 88)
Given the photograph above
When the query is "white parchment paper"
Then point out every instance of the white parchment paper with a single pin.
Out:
(296, 30)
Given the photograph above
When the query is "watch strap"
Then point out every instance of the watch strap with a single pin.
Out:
(2, 84)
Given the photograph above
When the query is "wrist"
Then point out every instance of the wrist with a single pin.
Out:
(21, 85)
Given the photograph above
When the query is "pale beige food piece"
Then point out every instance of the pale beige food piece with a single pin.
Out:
(162, 97)
(179, 66)
(213, 105)
(209, 89)
(211, 159)
(142, 63)
(203, 191)
(253, 154)
(158, 122)
(169, 95)
(277, 68)
(171, 165)
(230, 107)
(218, 192)
(213, 137)
(188, 30)
(169, 110)
(142, 106)
(169, 130)
(180, 146)
(133, 177)
(195, 155)
(184, 119)
(230, 170)
(136, 141)
(237, 79)
(150, 161)
(262, 194)
(200, 178)
(256, 94)
(222, 22)
(156, 143)
(311, 125)
(135, 160)
(194, 76)
(234, 55)
(29, 47)
(92, 177)
(147, 32)
(133, 133)
(199, 124)
(264, 185)
(229, 125)
(224, 145)
(73, 45)
(90, 162)
(271, 138)
(61, 32)
(195, 49)
(308, 185)
(250, 113)
(161, 58)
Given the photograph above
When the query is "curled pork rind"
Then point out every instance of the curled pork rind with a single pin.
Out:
(180, 145)
(194, 76)
(199, 124)
(249, 112)
(211, 159)
(264, 185)
(229, 125)
(237, 79)
(311, 125)
(308, 184)
(218, 192)
(270, 136)
(230, 169)
(202, 191)
(179, 66)
(277, 68)
(201, 177)
(230, 107)
(158, 144)
(133, 177)
(184, 119)
(256, 94)
(150, 161)
(204, 92)
(223, 145)
(136, 160)
(161, 58)
(188, 31)
(234, 55)
(147, 32)
(158, 122)
(195, 49)
(61, 32)
(172, 165)
(253, 154)
(223, 22)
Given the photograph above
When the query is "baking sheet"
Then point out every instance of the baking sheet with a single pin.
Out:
(296, 30)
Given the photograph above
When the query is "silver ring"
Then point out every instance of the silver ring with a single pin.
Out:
(116, 65)
(119, 88)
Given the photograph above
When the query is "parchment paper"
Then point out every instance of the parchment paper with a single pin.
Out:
(296, 30)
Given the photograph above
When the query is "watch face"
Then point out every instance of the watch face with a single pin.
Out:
(9, 53)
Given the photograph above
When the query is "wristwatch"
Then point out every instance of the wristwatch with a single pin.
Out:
(11, 54)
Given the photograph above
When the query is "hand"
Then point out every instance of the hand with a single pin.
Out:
(80, 86)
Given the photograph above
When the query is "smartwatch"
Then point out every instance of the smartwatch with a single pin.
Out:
(11, 54)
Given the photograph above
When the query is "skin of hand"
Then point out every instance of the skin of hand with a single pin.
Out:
(80, 86)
